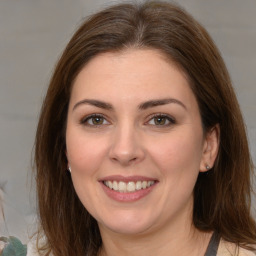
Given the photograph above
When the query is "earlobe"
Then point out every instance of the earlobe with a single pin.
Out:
(210, 148)
(68, 166)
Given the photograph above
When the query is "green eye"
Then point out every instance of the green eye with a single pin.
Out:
(94, 120)
(161, 120)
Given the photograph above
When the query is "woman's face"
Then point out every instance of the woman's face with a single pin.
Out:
(135, 142)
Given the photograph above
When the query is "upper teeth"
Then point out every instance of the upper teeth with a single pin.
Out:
(130, 186)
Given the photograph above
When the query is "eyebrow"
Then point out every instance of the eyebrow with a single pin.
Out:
(96, 103)
(142, 106)
(160, 102)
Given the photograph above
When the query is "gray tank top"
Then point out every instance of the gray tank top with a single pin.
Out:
(213, 245)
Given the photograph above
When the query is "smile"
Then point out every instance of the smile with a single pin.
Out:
(128, 187)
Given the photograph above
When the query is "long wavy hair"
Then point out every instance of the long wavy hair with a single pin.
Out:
(221, 197)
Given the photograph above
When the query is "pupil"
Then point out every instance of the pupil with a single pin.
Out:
(160, 120)
(97, 120)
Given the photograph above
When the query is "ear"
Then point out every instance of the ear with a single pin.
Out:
(210, 148)
(67, 159)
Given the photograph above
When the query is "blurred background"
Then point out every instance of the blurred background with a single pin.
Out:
(33, 34)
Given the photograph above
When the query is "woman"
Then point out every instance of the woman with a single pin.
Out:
(141, 147)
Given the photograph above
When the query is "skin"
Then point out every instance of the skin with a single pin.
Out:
(129, 142)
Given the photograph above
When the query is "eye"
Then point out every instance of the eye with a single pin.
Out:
(94, 120)
(161, 120)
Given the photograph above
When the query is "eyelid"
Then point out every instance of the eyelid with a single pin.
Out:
(84, 120)
(167, 116)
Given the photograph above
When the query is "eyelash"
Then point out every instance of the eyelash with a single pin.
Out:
(85, 120)
(171, 120)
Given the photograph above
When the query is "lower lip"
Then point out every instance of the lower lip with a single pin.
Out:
(127, 197)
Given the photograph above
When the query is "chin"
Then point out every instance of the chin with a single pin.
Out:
(127, 229)
(127, 224)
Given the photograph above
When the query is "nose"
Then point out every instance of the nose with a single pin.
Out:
(126, 147)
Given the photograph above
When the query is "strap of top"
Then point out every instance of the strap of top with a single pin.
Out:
(213, 245)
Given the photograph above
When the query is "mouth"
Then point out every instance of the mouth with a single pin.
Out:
(128, 187)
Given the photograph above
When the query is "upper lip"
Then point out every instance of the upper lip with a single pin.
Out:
(126, 178)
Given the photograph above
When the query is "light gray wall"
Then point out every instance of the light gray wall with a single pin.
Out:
(32, 36)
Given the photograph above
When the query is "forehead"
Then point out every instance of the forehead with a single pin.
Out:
(133, 73)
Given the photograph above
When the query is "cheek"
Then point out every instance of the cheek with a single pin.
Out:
(85, 156)
(178, 155)
(178, 159)
(85, 153)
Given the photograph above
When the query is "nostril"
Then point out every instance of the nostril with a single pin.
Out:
(126, 151)
(134, 159)
(125, 160)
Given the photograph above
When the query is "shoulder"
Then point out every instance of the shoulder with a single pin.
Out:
(32, 248)
(231, 249)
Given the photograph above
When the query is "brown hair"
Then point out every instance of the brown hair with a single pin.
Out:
(221, 197)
